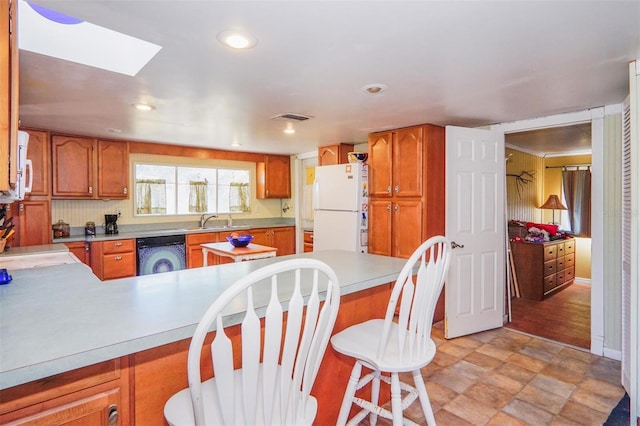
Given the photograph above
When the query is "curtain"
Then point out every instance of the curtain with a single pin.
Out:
(198, 197)
(576, 185)
(151, 196)
(238, 197)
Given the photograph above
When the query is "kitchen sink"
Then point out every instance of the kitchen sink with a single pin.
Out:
(215, 228)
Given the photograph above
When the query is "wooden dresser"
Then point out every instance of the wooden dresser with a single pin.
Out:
(543, 269)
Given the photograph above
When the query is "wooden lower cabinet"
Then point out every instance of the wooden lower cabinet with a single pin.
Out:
(282, 238)
(160, 372)
(114, 259)
(194, 251)
(95, 395)
(307, 238)
(81, 250)
(397, 227)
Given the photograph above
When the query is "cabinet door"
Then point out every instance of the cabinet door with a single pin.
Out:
(380, 227)
(407, 162)
(73, 167)
(274, 177)
(94, 409)
(328, 155)
(261, 236)
(33, 222)
(284, 240)
(380, 164)
(194, 251)
(80, 249)
(113, 170)
(9, 73)
(407, 227)
(38, 152)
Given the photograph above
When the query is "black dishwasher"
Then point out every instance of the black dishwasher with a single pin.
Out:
(160, 254)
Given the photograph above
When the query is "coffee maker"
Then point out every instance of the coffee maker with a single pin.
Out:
(110, 225)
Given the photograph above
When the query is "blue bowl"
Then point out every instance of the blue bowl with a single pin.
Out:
(241, 241)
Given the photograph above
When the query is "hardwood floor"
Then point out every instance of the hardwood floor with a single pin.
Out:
(564, 317)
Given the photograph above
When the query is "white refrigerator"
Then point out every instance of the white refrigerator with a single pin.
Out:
(340, 203)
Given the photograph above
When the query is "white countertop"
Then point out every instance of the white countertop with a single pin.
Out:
(58, 318)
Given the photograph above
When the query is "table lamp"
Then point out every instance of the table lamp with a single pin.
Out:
(553, 203)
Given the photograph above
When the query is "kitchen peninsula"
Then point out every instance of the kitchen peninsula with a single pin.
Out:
(132, 334)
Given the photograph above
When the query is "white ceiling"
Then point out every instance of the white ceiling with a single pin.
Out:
(458, 63)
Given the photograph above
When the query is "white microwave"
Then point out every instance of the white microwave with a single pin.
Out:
(23, 168)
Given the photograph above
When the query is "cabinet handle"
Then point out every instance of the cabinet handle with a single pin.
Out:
(396, 207)
(388, 207)
(124, 191)
(117, 244)
(117, 257)
(91, 190)
(389, 189)
(86, 247)
(396, 189)
(112, 418)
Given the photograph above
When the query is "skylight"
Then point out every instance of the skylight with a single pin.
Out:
(51, 33)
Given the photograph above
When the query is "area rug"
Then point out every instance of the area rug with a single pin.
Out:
(620, 415)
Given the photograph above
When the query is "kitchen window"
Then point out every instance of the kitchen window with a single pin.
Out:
(181, 190)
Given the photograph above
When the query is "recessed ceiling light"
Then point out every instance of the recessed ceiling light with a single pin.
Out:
(237, 39)
(374, 88)
(144, 107)
(289, 130)
(113, 130)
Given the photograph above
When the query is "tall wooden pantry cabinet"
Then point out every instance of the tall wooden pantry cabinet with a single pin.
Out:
(406, 191)
(406, 188)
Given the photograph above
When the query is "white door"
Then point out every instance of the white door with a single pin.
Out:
(474, 295)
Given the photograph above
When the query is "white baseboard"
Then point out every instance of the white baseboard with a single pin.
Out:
(597, 345)
(579, 280)
(613, 354)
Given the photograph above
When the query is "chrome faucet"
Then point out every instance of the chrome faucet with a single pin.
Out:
(204, 221)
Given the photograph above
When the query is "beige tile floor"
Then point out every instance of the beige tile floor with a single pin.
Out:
(503, 377)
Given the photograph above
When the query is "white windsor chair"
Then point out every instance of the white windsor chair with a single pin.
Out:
(273, 386)
(393, 346)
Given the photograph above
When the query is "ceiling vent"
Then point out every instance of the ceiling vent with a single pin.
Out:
(291, 116)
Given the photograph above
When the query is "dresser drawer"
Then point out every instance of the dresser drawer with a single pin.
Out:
(569, 246)
(550, 252)
(569, 274)
(118, 246)
(560, 249)
(561, 263)
(569, 260)
(549, 268)
(550, 282)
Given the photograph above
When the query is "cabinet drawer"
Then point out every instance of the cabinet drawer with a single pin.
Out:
(118, 246)
(549, 268)
(550, 252)
(119, 265)
(550, 282)
(308, 247)
(560, 250)
(561, 263)
(569, 260)
(308, 237)
(569, 246)
(569, 274)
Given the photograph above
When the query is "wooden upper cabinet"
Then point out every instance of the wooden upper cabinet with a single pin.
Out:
(273, 177)
(334, 154)
(113, 169)
(39, 152)
(89, 169)
(407, 155)
(73, 167)
(380, 164)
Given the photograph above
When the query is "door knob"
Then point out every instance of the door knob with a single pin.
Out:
(455, 245)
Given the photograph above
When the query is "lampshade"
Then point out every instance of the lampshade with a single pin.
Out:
(553, 202)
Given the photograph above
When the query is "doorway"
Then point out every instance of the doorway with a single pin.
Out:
(535, 160)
